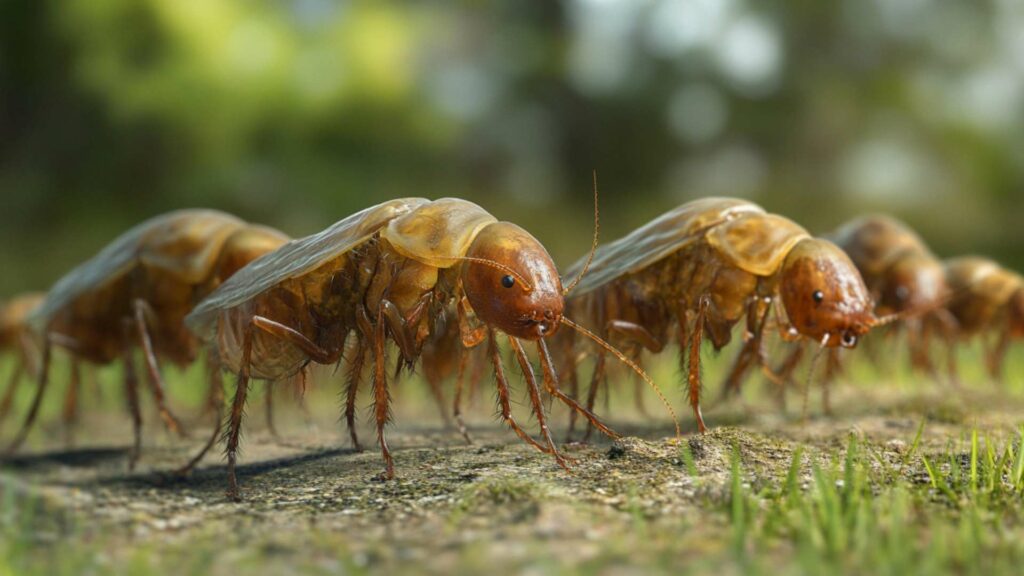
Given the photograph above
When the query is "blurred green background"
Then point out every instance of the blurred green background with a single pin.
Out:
(296, 113)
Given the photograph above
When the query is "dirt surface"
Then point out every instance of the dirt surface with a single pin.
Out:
(494, 506)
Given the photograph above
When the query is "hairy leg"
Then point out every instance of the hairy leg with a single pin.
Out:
(156, 381)
(215, 398)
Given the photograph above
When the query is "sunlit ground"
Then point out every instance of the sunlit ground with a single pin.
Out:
(908, 476)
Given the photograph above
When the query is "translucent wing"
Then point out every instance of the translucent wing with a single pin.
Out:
(296, 258)
(437, 232)
(171, 231)
(188, 246)
(757, 243)
(657, 239)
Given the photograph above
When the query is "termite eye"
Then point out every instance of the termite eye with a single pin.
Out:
(508, 281)
(818, 296)
(849, 339)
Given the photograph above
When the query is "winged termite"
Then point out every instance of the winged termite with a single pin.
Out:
(381, 276)
(696, 271)
(135, 293)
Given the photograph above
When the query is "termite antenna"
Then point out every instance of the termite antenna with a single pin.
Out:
(888, 319)
(526, 285)
(915, 312)
(593, 245)
(633, 365)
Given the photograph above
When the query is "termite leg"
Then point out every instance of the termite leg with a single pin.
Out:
(740, 366)
(757, 322)
(471, 337)
(948, 330)
(457, 402)
(216, 405)
(504, 404)
(381, 395)
(917, 341)
(399, 331)
(641, 335)
(30, 418)
(996, 355)
(788, 367)
(476, 374)
(13, 381)
(292, 336)
(746, 355)
(300, 396)
(438, 394)
(237, 411)
(595, 380)
(574, 393)
(352, 381)
(551, 383)
(636, 333)
(269, 406)
(69, 415)
(131, 388)
(926, 348)
(638, 396)
(24, 365)
(535, 400)
(833, 368)
(785, 373)
(155, 379)
(300, 341)
(693, 375)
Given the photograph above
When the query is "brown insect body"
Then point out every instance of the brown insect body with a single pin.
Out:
(706, 265)
(902, 274)
(14, 315)
(15, 336)
(986, 297)
(136, 293)
(898, 268)
(391, 273)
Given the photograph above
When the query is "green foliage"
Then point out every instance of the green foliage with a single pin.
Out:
(300, 112)
(846, 520)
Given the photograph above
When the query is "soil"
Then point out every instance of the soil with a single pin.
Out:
(497, 505)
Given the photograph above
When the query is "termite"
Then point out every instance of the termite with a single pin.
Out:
(16, 338)
(390, 273)
(704, 266)
(986, 299)
(905, 280)
(135, 293)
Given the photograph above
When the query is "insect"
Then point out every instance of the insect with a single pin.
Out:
(135, 294)
(397, 272)
(986, 298)
(905, 280)
(16, 337)
(697, 270)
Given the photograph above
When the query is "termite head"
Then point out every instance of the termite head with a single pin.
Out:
(512, 283)
(824, 295)
(913, 283)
